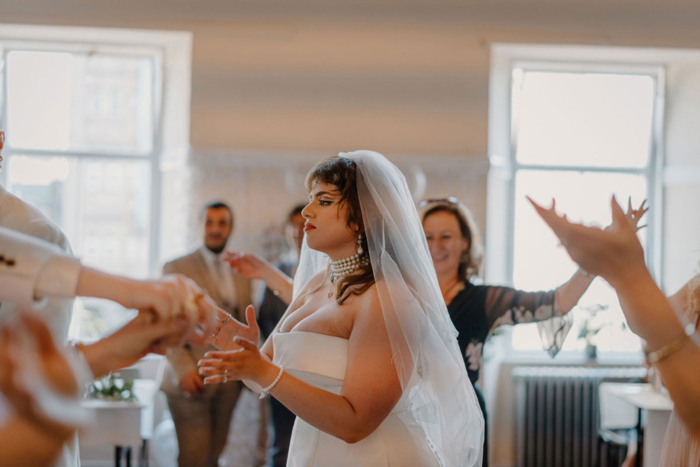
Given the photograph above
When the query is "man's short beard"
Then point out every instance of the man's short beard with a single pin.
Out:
(216, 250)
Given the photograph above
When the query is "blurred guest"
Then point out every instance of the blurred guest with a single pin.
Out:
(272, 307)
(669, 326)
(476, 310)
(202, 415)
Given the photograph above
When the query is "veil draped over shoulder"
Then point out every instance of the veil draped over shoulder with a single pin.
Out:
(442, 406)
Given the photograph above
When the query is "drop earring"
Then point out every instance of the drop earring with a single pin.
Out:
(360, 251)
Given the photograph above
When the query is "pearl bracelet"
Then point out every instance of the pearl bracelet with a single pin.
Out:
(267, 390)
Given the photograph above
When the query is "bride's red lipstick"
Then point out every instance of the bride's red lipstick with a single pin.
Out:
(308, 226)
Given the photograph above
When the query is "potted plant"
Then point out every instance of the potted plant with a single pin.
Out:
(591, 325)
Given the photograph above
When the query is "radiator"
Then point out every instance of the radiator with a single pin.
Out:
(558, 413)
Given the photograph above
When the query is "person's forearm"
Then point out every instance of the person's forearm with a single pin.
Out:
(100, 358)
(330, 413)
(569, 293)
(651, 317)
(278, 282)
(682, 379)
(23, 444)
(98, 284)
(646, 309)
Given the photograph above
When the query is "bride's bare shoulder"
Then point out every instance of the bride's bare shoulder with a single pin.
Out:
(368, 302)
(312, 284)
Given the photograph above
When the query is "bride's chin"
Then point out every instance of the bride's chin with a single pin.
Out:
(312, 246)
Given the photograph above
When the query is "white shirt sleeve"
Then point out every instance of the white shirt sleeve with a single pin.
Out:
(32, 270)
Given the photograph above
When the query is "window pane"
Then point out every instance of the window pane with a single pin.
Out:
(39, 89)
(579, 119)
(103, 206)
(83, 102)
(540, 263)
(94, 318)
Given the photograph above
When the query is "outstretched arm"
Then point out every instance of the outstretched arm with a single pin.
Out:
(31, 270)
(617, 256)
(253, 266)
(140, 336)
(569, 293)
(169, 297)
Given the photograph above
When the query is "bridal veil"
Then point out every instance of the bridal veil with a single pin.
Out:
(442, 406)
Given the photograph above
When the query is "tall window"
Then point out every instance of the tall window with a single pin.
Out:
(578, 134)
(85, 145)
(80, 146)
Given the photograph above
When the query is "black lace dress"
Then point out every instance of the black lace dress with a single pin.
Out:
(477, 310)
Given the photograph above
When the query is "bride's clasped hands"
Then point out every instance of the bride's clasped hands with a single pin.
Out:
(239, 356)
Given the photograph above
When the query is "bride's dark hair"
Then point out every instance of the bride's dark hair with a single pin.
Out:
(342, 173)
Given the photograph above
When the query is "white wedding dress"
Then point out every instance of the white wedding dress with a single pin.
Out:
(320, 360)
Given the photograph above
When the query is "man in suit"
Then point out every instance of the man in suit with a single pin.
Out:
(202, 414)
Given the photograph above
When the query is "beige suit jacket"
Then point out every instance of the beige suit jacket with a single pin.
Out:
(184, 360)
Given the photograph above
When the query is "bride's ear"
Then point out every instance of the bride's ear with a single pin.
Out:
(354, 227)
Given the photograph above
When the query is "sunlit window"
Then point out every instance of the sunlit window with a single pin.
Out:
(579, 138)
(80, 147)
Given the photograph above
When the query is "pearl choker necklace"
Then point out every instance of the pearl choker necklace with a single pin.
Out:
(345, 266)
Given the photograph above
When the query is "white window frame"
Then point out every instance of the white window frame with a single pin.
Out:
(171, 58)
(504, 166)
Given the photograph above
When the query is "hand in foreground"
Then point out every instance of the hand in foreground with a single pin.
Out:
(192, 384)
(633, 215)
(227, 328)
(55, 369)
(174, 296)
(248, 265)
(611, 253)
(140, 336)
(245, 363)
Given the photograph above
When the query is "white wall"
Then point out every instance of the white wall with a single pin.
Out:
(407, 78)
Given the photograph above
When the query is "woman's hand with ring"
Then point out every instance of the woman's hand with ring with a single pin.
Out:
(245, 363)
(227, 328)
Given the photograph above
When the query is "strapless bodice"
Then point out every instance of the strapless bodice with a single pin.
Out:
(321, 360)
(315, 358)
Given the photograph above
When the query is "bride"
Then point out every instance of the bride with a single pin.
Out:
(366, 355)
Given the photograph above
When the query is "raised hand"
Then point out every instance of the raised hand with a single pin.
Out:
(634, 215)
(192, 383)
(248, 265)
(610, 253)
(228, 328)
(245, 363)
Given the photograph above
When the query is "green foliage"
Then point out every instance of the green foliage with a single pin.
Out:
(112, 387)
